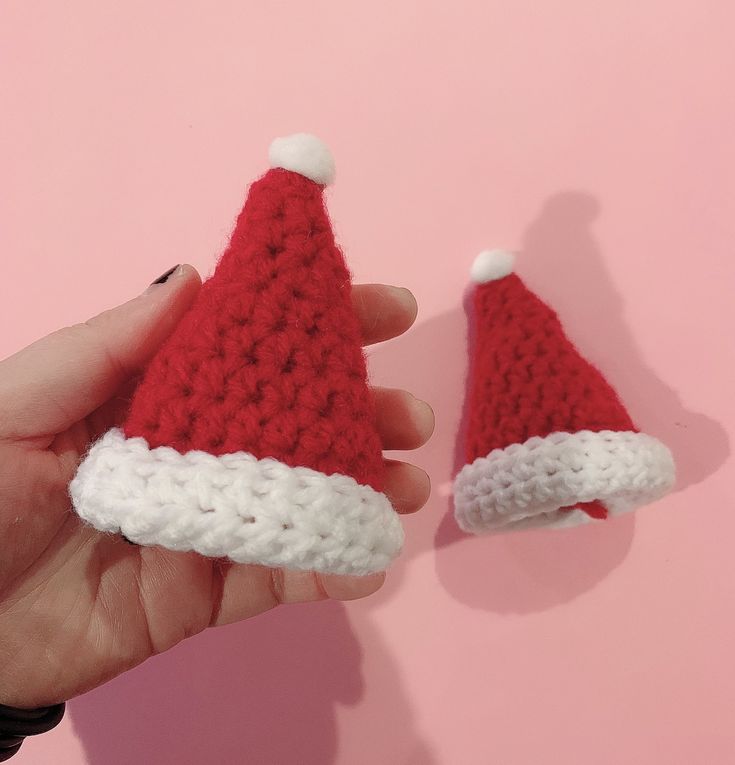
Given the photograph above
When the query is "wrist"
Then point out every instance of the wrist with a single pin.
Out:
(16, 724)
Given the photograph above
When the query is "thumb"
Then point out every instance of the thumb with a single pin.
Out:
(63, 377)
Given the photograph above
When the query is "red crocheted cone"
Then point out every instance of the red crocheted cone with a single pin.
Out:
(548, 440)
(252, 434)
(528, 379)
(269, 360)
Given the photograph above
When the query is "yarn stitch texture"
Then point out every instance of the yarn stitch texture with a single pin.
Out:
(528, 379)
(548, 440)
(526, 485)
(252, 434)
(269, 359)
(236, 506)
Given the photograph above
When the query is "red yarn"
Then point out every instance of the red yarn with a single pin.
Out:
(528, 379)
(594, 509)
(269, 360)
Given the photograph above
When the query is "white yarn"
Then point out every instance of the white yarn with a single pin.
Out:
(526, 485)
(491, 265)
(235, 506)
(304, 154)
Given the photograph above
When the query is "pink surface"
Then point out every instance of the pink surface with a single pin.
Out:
(596, 138)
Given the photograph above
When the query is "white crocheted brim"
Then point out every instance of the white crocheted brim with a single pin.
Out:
(235, 506)
(526, 485)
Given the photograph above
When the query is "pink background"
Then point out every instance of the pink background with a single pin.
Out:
(594, 137)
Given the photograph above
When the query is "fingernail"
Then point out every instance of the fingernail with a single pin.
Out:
(163, 278)
(425, 414)
(406, 298)
(125, 539)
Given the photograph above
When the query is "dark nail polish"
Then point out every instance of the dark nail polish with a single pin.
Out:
(163, 278)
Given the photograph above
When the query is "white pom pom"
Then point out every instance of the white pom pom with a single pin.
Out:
(491, 265)
(304, 154)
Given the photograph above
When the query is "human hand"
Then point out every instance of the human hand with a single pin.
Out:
(78, 607)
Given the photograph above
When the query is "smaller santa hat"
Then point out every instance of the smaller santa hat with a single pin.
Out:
(549, 442)
(252, 435)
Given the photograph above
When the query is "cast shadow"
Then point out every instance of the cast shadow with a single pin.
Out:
(536, 570)
(265, 691)
(561, 241)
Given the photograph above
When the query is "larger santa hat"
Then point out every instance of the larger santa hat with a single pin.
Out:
(549, 442)
(252, 435)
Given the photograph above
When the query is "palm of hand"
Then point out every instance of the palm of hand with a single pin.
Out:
(77, 607)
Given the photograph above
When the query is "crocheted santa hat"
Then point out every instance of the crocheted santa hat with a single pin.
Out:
(252, 434)
(549, 442)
